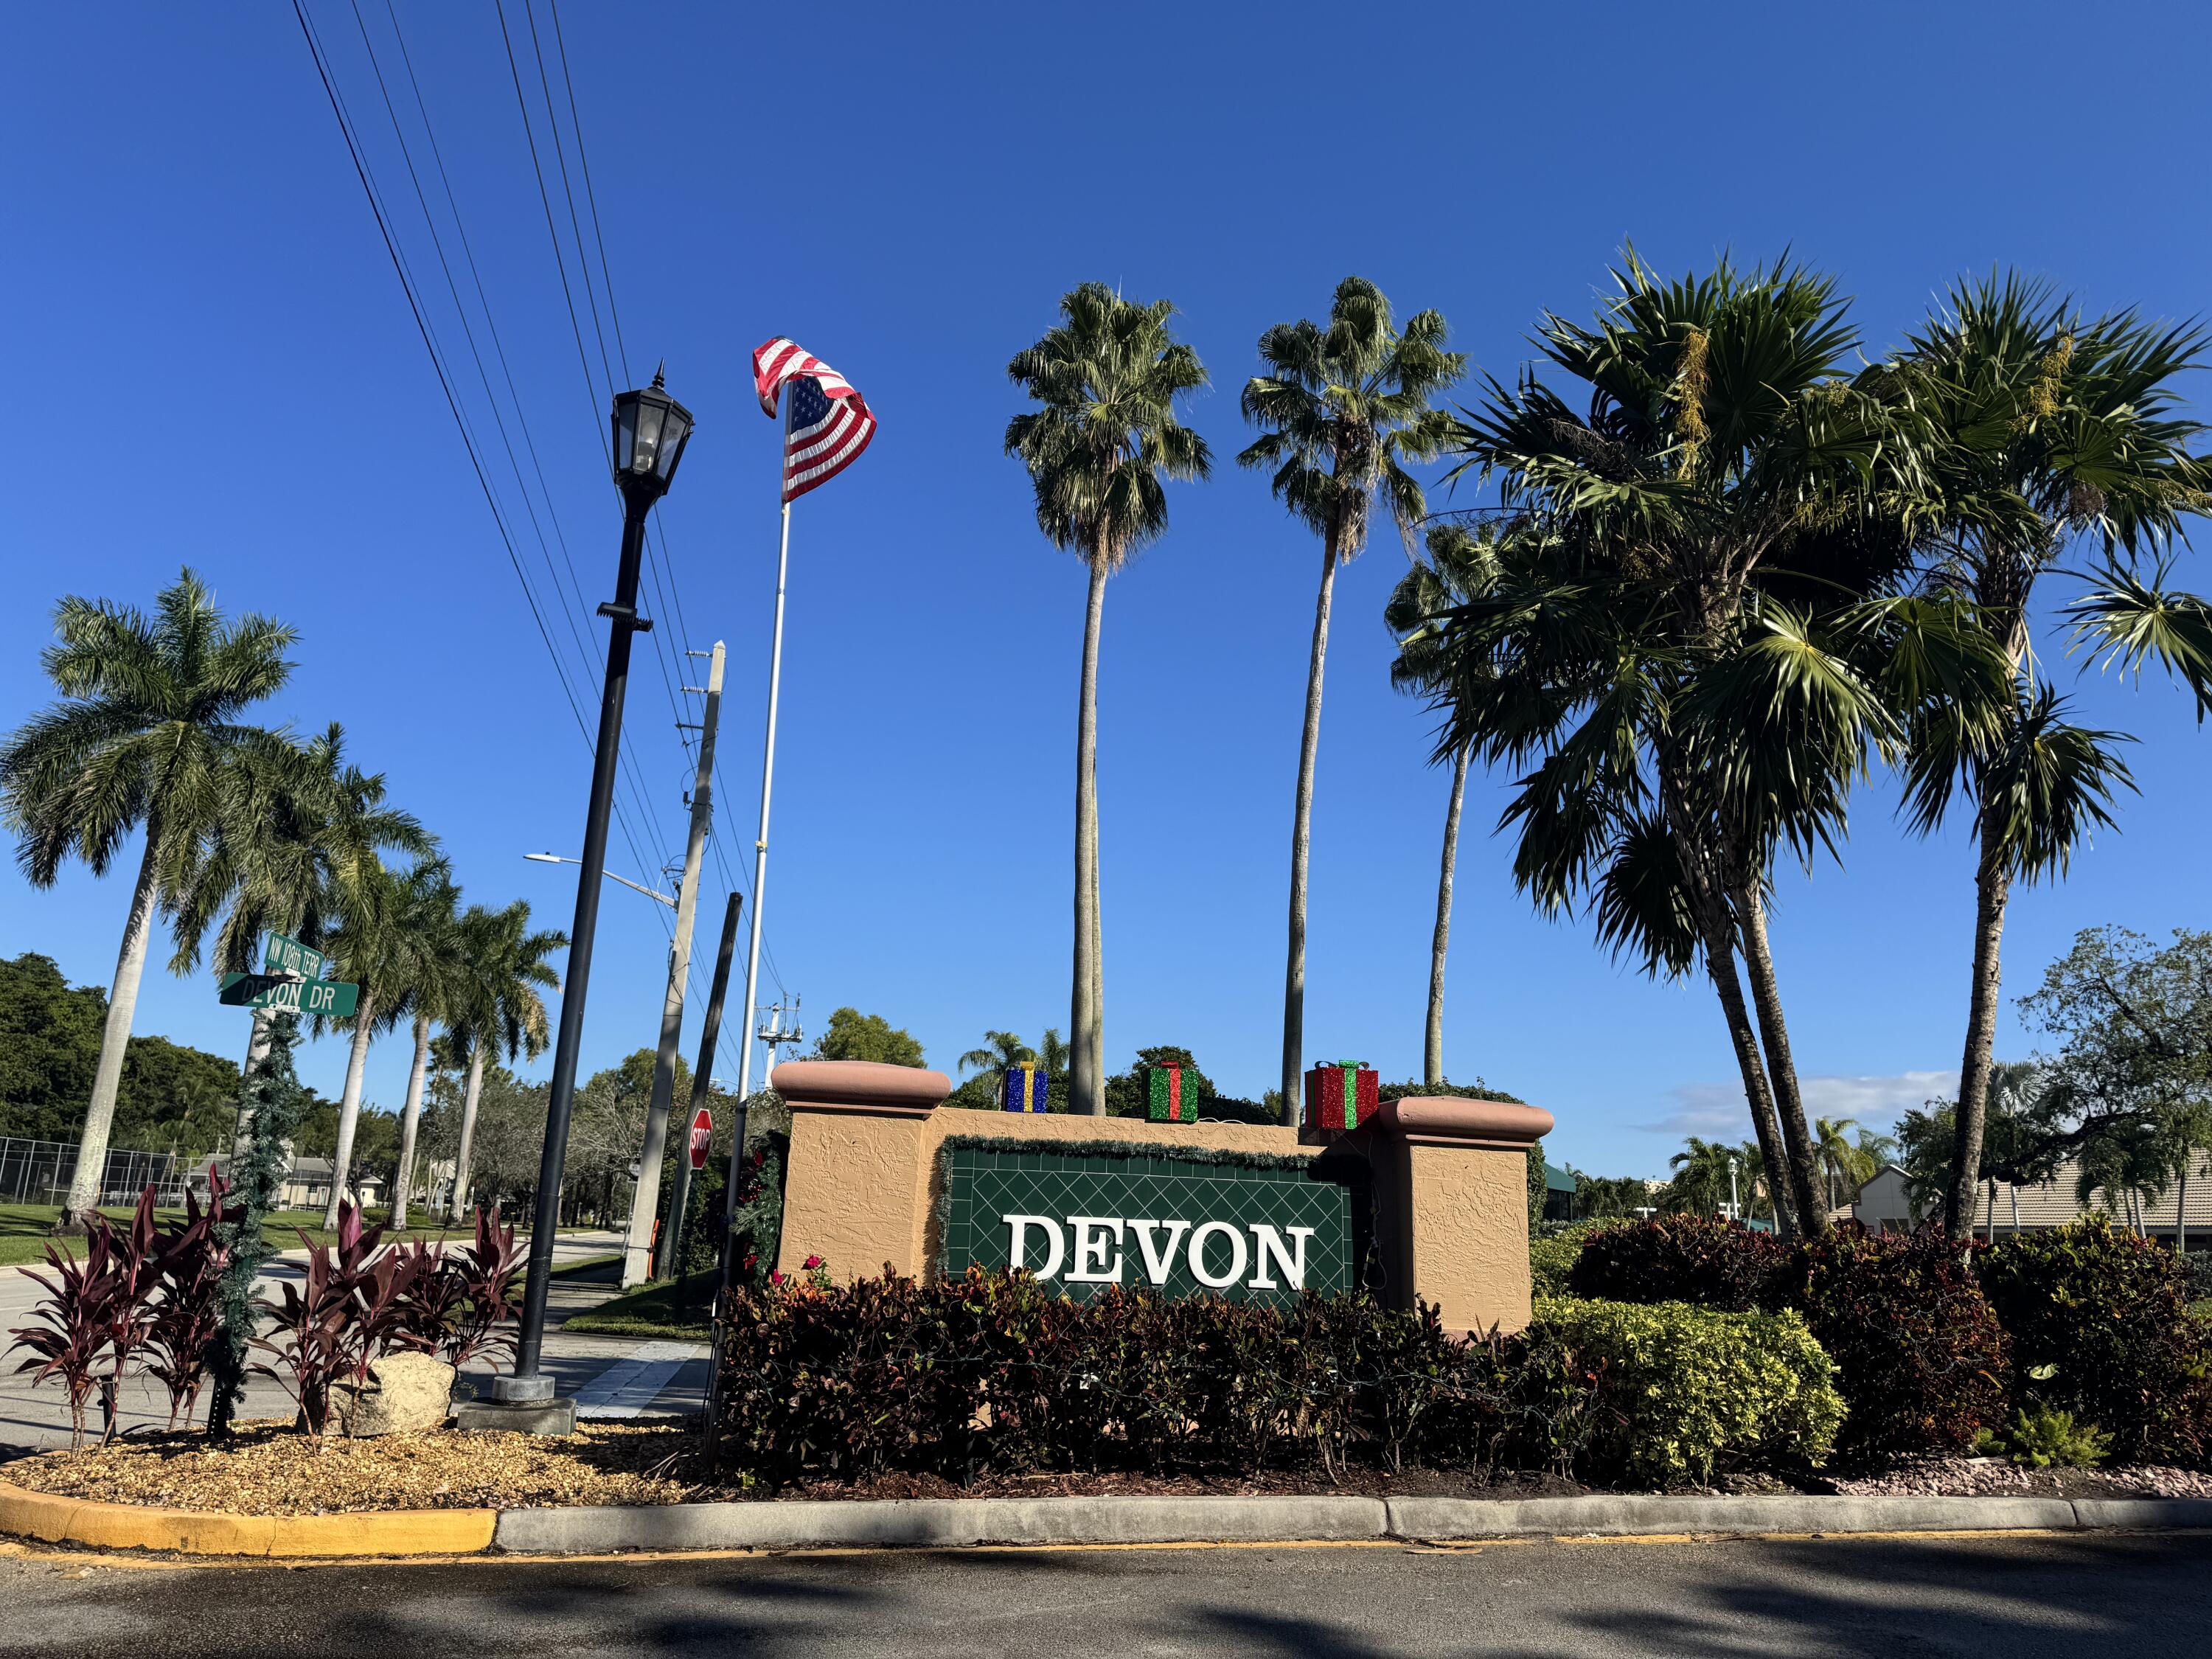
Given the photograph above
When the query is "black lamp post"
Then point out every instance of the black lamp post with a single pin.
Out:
(650, 430)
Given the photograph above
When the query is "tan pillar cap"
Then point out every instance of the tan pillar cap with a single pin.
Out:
(1457, 1119)
(859, 1085)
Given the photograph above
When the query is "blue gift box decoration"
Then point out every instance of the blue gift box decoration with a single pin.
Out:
(1024, 1087)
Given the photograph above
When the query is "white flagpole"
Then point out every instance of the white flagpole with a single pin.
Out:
(767, 768)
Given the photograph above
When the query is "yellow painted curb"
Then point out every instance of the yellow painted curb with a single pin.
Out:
(56, 1520)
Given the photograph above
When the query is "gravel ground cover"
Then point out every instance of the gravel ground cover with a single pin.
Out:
(1994, 1477)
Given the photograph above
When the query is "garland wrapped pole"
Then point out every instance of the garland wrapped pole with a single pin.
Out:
(270, 1105)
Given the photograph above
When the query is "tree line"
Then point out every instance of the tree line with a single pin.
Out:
(247, 831)
(1736, 572)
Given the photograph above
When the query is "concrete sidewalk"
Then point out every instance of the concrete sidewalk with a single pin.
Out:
(639, 1378)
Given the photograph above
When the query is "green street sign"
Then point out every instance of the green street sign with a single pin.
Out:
(333, 998)
(286, 955)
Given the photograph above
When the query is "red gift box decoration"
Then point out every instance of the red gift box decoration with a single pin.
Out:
(1339, 1097)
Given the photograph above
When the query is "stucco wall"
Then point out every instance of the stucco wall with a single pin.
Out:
(1469, 1214)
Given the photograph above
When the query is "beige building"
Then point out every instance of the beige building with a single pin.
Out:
(1885, 1206)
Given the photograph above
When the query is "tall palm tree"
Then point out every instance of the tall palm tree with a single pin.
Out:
(1340, 410)
(1099, 449)
(302, 834)
(1460, 563)
(375, 943)
(1698, 647)
(1701, 1181)
(1002, 1052)
(430, 993)
(2047, 429)
(497, 1009)
(149, 715)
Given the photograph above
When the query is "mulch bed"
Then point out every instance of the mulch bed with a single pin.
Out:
(272, 1468)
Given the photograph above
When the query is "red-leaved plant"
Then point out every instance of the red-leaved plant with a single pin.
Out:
(187, 1320)
(68, 1343)
(348, 1311)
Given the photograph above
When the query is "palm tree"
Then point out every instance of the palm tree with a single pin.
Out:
(2046, 428)
(375, 943)
(1696, 644)
(1340, 410)
(302, 834)
(1098, 449)
(149, 716)
(1002, 1052)
(1701, 1180)
(1459, 564)
(430, 993)
(497, 1008)
(1845, 1164)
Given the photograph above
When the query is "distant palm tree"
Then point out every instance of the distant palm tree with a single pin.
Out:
(1845, 1165)
(149, 718)
(2044, 426)
(497, 1008)
(1097, 449)
(375, 942)
(1458, 565)
(1340, 410)
(1701, 1175)
(429, 994)
(1002, 1052)
(1051, 1052)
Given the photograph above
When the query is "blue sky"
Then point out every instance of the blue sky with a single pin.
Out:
(212, 363)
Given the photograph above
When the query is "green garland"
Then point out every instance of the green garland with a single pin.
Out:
(1215, 1155)
(273, 1103)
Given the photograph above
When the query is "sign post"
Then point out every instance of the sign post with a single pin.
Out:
(679, 1201)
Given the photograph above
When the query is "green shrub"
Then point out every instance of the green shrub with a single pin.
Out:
(1552, 1254)
(2044, 1437)
(1920, 1357)
(1680, 1392)
(994, 1373)
(1681, 1258)
(2099, 1326)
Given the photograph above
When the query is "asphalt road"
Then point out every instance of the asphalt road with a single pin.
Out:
(2017, 1597)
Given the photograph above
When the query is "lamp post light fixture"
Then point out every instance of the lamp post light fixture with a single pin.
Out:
(651, 429)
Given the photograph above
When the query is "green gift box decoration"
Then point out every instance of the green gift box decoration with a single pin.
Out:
(1164, 1100)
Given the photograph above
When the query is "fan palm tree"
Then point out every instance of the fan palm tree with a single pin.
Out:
(375, 943)
(1699, 645)
(497, 1008)
(2047, 429)
(1459, 564)
(1701, 1181)
(149, 716)
(429, 994)
(1340, 410)
(1000, 1053)
(1099, 447)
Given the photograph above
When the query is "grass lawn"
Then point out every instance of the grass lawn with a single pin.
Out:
(24, 1228)
(676, 1312)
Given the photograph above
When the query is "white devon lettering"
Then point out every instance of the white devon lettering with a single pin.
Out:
(1093, 1249)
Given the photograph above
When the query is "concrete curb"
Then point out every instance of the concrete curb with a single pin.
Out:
(952, 1523)
(56, 1520)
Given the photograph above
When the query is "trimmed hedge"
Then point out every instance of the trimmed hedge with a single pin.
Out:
(1676, 1392)
(1681, 1258)
(996, 1374)
(1552, 1256)
(1921, 1358)
(2107, 1313)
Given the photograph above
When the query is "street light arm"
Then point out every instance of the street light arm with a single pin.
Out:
(556, 858)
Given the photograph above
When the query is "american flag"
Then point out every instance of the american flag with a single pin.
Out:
(828, 423)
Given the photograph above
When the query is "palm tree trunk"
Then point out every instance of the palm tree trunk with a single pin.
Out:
(1294, 971)
(1432, 1040)
(1992, 1219)
(403, 1181)
(2014, 1190)
(1086, 1083)
(349, 1105)
(456, 1210)
(1992, 885)
(2181, 1212)
(1720, 967)
(1804, 1181)
(114, 1041)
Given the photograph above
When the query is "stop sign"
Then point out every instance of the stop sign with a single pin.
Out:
(702, 1130)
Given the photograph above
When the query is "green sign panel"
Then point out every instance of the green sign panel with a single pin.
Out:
(1178, 1224)
(285, 955)
(331, 998)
